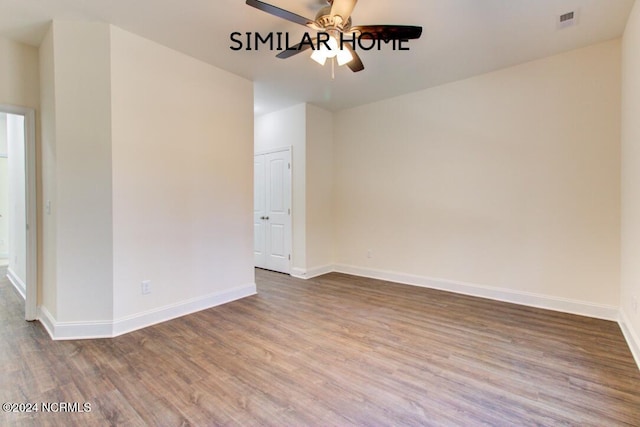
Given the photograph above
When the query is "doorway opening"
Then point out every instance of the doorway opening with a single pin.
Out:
(18, 234)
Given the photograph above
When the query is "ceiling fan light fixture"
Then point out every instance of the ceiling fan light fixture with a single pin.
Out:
(333, 47)
(331, 50)
(344, 57)
(325, 51)
(319, 56)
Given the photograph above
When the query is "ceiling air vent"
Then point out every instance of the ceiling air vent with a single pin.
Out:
(567, 20)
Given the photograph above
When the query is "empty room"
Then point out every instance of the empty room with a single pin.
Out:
(320, 213)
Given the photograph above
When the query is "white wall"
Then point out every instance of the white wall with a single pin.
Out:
(147, 163)
(16, 215)
(507, 181)
(47, 265)
(4, 211)
(81, 197)
(287, 128)
(4, 188)
(631, 181)
(3, 134)
(182, 178)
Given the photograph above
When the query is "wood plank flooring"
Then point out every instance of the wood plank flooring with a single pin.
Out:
(331, 351)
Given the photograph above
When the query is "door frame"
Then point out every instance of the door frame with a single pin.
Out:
(31, 297)
(288, 149)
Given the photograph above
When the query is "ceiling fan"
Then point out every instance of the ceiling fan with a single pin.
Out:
(334, 20)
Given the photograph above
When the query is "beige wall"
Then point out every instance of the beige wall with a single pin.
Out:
(19, 84)
(182, 177)
(319, 189)
(631, 181)
(508, 180)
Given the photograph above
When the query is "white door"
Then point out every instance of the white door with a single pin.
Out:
(272, 211)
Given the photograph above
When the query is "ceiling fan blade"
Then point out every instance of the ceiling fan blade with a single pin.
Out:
(294, 50)
(387, 32)
(343, 8)
(356, 63)
(280, 13)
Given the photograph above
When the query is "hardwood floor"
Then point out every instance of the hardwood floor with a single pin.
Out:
(331, 351)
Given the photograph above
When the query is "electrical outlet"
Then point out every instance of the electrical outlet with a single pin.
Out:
(146, 287)
(369, 253)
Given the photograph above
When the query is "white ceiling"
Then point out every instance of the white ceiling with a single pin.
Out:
(461, 38)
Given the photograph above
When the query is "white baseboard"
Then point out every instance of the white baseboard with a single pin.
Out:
(109, 329)
(298, 273)
(73, 330)
(162, 314)
(631, 335)
(565, 305)
(47, 320)
(17, 283)
(310, 273)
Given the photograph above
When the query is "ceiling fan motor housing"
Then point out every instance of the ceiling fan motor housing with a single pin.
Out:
(325, 20)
